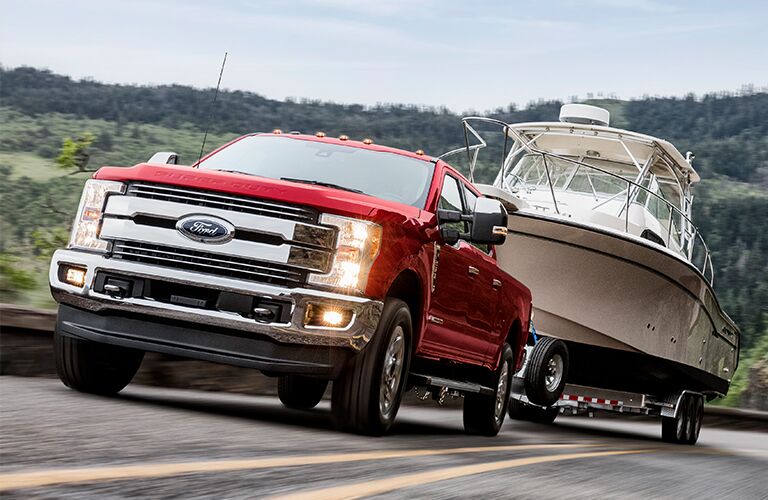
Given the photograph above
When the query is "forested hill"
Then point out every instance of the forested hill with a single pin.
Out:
(729, 133)
(38, 109)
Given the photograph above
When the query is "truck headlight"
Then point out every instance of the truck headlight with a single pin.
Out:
(87, 226)
(357, 247)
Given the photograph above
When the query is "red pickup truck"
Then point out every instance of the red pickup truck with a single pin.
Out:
(312, 259)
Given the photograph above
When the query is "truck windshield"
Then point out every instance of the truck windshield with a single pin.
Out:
(385, 175)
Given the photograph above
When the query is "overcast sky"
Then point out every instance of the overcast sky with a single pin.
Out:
(462, 54)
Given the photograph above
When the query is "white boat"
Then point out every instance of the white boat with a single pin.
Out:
(600, 230)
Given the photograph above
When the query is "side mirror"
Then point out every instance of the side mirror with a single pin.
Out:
(166, 157)
(489, 222)
(450, 234)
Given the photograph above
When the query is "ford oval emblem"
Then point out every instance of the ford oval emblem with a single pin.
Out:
(206, 229)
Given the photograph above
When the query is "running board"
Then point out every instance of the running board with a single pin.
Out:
(456, 385)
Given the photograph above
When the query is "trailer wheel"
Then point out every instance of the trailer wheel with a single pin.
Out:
(300, 393)
(544, 415)
(93, 367)
(684, 428)
(547, 371)
(367, 395)
(697, 415)
(484, 415)
(523, 411)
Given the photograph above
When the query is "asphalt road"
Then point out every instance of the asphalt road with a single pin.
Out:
(56, 443)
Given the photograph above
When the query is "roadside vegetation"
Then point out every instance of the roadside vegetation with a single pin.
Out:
(54, 130)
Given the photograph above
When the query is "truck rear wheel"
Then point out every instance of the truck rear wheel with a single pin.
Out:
(483, 414)
(92, 367)
(547, 371)
(300, 393)
(367, 395)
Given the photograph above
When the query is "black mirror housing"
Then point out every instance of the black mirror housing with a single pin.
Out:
(450, 235)
(448, 216)
(489, 222)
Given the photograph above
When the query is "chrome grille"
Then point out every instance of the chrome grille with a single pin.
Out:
(222, 201)
(209, 263)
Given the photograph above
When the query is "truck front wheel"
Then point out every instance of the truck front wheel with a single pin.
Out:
(300, 393)
(484, 414)
(92, 367)
(367, 395)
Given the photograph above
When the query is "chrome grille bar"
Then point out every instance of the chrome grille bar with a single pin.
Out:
(221, 201)
(206, 262)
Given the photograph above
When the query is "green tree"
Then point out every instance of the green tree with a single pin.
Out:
(75, 153)
(13, 278)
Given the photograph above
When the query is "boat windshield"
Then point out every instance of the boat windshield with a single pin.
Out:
(386, 175)
(531, 172)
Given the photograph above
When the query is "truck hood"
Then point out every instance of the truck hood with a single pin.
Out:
(322, 198)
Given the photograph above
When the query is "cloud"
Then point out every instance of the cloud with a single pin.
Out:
(647, 6)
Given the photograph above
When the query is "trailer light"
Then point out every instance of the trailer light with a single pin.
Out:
(343, 137)
(357, 247)
(322, 316)
(319, 134)
(87, 227)
(367, 140)
(73, 275)
(277, 131)
(420, 152)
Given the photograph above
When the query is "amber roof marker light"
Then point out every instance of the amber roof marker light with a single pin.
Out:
(420, 152)
(343, 137)
(277, 131)
(319, 134)
(367, 140)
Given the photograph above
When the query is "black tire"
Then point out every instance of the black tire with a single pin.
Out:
(543, 415)
(92, 367)
(542, 364)
(695, 418)
(523, 411)
(484, 415)
(516, 409)
(359, 402)
(684, 428)
(300, 393)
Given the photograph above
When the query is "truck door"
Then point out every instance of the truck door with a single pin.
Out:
(485, 302)
(448, 334)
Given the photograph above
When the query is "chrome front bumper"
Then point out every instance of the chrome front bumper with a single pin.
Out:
(356, 335)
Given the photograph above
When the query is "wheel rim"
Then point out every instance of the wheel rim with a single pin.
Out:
(554, 373)
(501, 392)
(392, 372)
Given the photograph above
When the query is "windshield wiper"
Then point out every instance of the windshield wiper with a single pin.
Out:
(321, 183)
(232, 171)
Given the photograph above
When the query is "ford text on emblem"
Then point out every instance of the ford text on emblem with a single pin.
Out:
(206, 229)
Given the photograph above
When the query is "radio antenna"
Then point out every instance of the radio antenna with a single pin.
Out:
(213, 104)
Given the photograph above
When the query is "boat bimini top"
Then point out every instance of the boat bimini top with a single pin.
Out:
(583, 171)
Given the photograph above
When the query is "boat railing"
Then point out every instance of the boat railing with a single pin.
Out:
(688, 235)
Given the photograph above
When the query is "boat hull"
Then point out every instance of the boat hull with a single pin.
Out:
(635, 315)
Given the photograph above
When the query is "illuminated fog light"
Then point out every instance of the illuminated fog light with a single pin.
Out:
(320, 316)
(74, 275)
(333, 318)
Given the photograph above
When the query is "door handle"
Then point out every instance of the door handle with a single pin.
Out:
(473, 271)
(496, 283)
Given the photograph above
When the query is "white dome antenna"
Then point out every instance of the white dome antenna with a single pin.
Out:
(584, 114)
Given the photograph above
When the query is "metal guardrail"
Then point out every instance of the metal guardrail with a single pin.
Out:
(688, 238)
